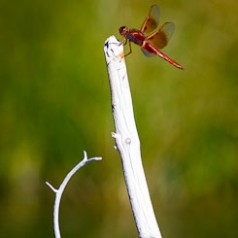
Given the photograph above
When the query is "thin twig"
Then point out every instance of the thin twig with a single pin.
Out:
(58, 192)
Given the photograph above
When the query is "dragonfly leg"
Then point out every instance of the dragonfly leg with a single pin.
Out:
(124, 42)
(130, 50)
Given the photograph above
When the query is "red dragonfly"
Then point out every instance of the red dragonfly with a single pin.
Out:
(157, 39)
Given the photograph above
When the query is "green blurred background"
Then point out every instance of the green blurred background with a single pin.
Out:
(55, 103)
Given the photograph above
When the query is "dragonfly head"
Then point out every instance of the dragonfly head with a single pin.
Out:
(123, 30)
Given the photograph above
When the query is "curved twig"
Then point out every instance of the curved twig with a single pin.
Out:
(58, 192)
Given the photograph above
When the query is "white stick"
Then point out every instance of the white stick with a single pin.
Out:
(127, 141)
(58, 192)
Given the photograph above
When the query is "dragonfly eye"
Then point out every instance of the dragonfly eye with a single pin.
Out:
(123, 30)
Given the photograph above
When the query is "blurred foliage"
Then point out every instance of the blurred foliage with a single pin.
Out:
(55, 103)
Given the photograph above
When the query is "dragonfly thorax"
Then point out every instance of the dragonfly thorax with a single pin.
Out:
(133, 35)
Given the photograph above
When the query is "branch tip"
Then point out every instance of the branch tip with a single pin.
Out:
(93, 159)
(97, 158)
(51, 187)
(85, 156)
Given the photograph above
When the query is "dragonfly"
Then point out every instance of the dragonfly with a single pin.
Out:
(149, 37)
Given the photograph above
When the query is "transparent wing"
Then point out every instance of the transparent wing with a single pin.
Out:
(160, 38)
(152, 20)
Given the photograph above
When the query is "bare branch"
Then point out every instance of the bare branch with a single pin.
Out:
(127, 141)
(58, 192)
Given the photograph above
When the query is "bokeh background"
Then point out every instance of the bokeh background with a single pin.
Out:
(55, 103)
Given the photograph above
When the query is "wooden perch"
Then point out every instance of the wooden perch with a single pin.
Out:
(127, 141)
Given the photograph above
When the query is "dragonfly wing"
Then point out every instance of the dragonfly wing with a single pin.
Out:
(160, 38)
(152, 20)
